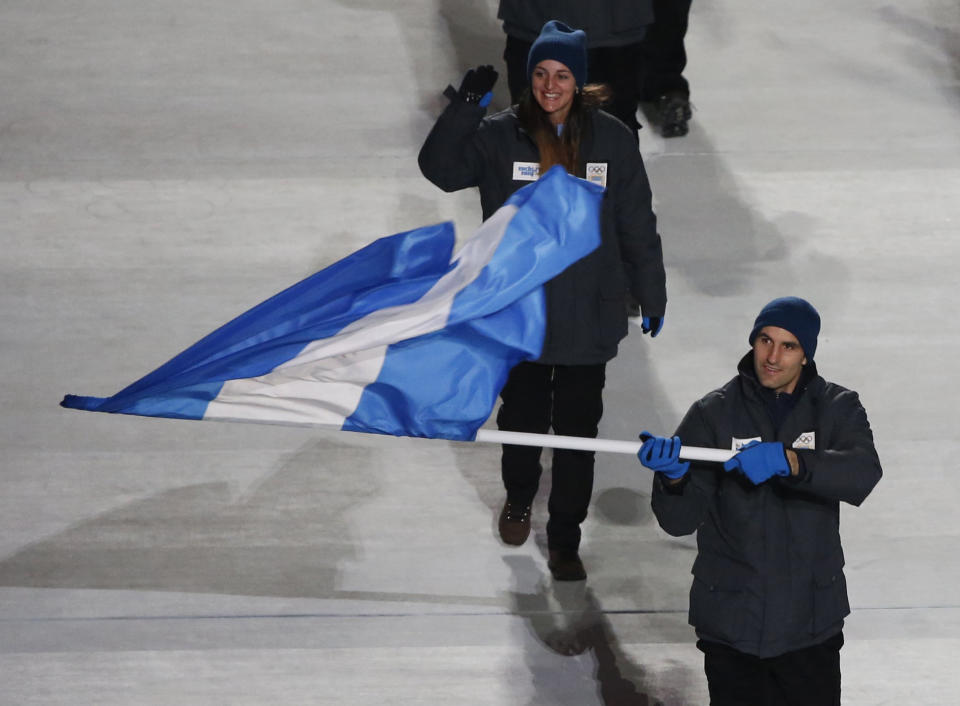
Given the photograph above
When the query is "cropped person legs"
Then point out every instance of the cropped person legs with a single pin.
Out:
(807, 677)
(577, 409)
(526, 402)
(662, 59)
(568, 398)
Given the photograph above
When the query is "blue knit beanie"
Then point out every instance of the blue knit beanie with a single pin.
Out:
(794, 314)
(559, 42)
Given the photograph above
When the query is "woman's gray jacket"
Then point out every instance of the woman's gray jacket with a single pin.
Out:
(586, 303)
(768, 577)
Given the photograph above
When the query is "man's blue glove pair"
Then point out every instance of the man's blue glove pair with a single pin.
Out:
(662, 455)
(760, 461)
(477, 85)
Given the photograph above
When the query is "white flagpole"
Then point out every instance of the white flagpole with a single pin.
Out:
(687, 453)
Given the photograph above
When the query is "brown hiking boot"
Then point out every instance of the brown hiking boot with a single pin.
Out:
(514, 523)
(566, 566)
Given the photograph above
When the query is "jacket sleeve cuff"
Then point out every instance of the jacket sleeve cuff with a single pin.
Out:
(802, 474)
(673, 488)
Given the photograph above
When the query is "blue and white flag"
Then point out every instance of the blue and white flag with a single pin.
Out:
(398, 338)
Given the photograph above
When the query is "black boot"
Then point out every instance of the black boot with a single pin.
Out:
(674, 112)
(565, 565)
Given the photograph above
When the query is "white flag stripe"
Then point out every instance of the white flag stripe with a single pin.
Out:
(429, 313)
(323, 392)
(323, 384)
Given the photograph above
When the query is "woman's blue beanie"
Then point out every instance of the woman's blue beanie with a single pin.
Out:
(794, 314)
(559, 42)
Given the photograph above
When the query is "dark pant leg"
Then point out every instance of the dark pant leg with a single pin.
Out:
(807, 677)
(515, 56)
(735, 678)
(526, 401)
(662, 56)
(617, 68)
(577, 408)
(811, 676)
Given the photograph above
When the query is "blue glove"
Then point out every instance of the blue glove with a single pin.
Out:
(662, 455)
(759, 461)
(652, 325)
(477, 85)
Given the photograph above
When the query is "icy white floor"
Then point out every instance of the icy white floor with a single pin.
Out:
(165, 166)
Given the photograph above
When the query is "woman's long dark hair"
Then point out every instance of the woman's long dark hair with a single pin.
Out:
(563, 149)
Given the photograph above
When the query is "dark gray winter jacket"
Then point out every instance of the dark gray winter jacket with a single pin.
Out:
(608, 23)
(768, 577)
(586, 309)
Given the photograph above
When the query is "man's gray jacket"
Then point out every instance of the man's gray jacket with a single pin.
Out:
(768, 577)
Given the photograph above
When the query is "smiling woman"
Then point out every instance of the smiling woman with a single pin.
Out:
(557, 122)
(554, 106)
(553, 88)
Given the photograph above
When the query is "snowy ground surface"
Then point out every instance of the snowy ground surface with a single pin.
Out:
(164, 166)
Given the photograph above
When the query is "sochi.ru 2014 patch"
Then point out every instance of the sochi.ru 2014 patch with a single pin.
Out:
(526, 171)
(738, 444)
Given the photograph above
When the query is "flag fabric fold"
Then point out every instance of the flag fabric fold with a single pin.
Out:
(400, 337)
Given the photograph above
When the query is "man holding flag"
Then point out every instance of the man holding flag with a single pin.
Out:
(769, 595)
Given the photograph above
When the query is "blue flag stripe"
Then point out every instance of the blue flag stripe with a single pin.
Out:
(390, 271)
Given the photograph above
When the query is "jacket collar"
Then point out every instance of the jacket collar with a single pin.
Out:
(586, 144)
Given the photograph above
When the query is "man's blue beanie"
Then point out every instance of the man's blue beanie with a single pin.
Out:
(794, 314)
(559, 42)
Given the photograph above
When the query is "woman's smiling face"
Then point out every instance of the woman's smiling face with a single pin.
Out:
(553, 87)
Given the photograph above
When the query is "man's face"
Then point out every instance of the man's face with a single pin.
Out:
(778, 359)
